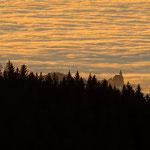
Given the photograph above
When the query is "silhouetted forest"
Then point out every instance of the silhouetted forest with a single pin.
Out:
(39, 112)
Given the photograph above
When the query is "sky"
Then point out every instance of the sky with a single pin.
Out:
(97, 36)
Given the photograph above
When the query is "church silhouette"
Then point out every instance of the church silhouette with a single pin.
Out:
(117, 80)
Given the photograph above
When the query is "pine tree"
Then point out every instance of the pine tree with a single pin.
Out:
(89, 81)
(55, 80)
(79, 83)
(129, 88)
(138, 89)
(49, 80)
(31, 77)
(5, 74)
(9, 70)
(104, 84)
(69, 76)
(70, 80)
(36, 76)
(41, 78)
(138, 92)
(124, 89)
(23, 72)
(77, 79)
(17, 74)
(63, 82)
(77, 76)
(94, 81)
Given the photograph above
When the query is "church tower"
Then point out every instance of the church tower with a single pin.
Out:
(117, 80)
(120, 73)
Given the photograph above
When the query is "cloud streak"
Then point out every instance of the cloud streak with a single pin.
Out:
(89, 36)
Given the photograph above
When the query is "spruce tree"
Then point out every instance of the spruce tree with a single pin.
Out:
(9, 70)
(77, 76)
(89, 81)
(70, 80)
(23, 72)
(49, 79)
(41, 78)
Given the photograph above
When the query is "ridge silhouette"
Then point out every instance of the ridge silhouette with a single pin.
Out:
(42, 113)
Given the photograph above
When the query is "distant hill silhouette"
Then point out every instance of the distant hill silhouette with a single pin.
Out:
(59, 75)
(117, 80)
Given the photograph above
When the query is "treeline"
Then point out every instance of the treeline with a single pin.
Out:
(41, 112)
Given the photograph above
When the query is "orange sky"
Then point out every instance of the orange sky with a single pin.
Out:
(98, 36)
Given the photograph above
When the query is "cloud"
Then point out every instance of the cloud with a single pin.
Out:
(83, 36)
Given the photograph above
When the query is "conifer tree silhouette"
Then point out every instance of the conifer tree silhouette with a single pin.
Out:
(41, 77)
(9, 70)
(139, 90)
(89, 81)
(104, 84)
(31, 77)
(129, 88)
(79, 83)
(77, 76)
(23, 72)
(49, 79)
(69, 79)
(55, 80)
(94, 81)
(71, 113)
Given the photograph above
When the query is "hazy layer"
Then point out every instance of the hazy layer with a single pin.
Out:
(98, 36)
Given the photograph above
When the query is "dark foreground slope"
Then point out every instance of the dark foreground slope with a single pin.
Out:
(42, 114)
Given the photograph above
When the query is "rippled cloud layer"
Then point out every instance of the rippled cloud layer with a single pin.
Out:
(97, 36)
